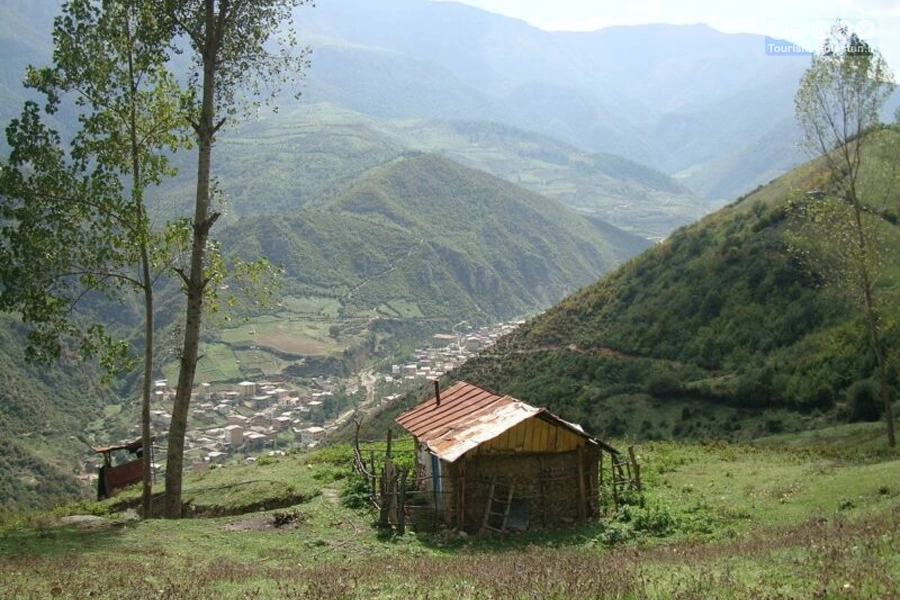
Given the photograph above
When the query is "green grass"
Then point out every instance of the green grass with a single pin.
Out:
(857, 440)
(405, 309)
(265, 343)
(217, 363)
(718, 520)
(312, 305)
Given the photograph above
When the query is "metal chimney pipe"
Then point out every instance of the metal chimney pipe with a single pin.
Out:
(437, 393)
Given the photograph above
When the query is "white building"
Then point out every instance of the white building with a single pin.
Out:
(234, 435)
(247, 389)
(312, 435)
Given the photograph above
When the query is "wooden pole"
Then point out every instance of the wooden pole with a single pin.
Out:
(388, 451)
(374, 476)
(615, 481)
(387, 493)
(387, 487)
(637, 468)
(461, 495)
(582, 513)
(600, 468)
(401, 503)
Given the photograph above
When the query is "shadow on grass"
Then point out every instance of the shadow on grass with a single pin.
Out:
(452, 541)
(206, 508)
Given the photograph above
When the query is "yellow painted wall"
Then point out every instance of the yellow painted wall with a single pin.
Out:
(532, 435)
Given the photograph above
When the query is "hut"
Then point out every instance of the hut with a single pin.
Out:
(489, 461)
(123, 465)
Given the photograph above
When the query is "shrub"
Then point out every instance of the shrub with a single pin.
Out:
(664, 384)
(355, 493)
(865, 405)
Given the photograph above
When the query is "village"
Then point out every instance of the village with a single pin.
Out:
(242, 421)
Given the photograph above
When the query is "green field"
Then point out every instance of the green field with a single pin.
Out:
(266, 344)
(779, 519)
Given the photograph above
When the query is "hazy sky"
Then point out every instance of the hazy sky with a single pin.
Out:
(754, 16)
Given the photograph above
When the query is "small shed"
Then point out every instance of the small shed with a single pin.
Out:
(123, 465)
(489, 461)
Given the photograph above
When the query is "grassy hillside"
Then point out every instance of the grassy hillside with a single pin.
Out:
(45, 415)
(718, 331)
(716, 521)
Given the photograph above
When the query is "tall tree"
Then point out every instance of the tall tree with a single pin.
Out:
(838, 105)
(75, 220)
(230, 40)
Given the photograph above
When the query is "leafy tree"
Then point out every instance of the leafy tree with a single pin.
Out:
(74, 217)
(837, 106)
(230, 42)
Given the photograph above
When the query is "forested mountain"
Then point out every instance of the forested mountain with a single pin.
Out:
(454, 242)
(720, 330)
(413, 245)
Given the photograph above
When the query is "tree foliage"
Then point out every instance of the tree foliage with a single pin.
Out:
(75, 219)
(838, 106)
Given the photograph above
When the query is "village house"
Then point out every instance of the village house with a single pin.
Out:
(247, 389)
(486, 460)
(312, 435)
(442, 340)
(236, 419)
(234, 435)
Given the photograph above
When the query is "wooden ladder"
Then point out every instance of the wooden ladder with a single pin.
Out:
(497, 507)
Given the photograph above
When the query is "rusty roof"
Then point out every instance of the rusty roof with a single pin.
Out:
(132, 446)
(469, 416)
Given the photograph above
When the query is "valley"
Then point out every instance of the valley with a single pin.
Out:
(655, 236)
(242, 412)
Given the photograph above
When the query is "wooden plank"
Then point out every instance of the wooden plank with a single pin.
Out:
(461, 494)
(544, 442)
(517, 434)
(485, 523)
(582, 500)
(531, 435)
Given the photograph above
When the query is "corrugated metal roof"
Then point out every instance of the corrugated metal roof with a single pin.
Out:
(469, 416)
(133, 445)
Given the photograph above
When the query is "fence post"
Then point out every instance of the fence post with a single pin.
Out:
(387, 477)
(374, 477)
(388, 486)
(637, 468)
(401, 503)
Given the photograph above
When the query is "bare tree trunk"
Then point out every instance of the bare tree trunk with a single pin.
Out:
(195, 280)
(146, 438)
(147, 287)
